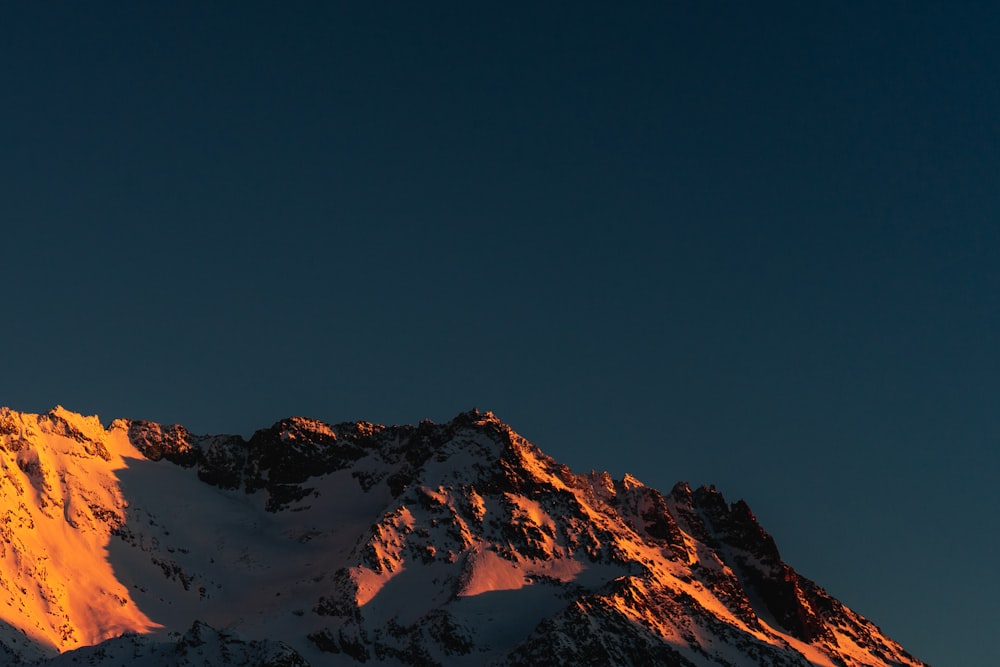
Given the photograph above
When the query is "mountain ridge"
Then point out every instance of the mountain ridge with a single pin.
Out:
(452, 543)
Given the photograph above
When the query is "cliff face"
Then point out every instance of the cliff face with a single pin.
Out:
(456, 543)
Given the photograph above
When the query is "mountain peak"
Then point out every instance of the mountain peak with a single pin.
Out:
(452, 543)
(631, 482)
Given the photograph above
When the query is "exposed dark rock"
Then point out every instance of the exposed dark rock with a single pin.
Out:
(156, 442)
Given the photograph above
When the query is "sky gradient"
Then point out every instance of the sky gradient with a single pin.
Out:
(754, 247)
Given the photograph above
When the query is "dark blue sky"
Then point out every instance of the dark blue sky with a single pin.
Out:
(755, 247)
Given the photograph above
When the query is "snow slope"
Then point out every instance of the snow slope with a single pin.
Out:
(457, 543)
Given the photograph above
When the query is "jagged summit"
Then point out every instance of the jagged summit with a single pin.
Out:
(453, 543)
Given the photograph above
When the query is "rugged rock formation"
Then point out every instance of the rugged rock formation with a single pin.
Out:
(456, 543)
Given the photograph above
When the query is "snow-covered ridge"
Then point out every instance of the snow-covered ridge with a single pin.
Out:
(454, 543)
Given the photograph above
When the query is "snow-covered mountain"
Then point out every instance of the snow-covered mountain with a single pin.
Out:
(452, 544)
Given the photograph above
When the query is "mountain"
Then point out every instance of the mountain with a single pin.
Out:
(316, 544)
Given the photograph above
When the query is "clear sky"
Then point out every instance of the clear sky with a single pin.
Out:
(752, 247)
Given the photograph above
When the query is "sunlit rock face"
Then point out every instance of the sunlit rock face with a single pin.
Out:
(452, 544)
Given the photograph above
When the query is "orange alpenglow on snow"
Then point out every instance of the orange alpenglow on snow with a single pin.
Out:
(460, 543)
(55, 572)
